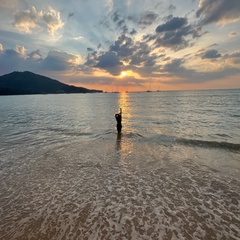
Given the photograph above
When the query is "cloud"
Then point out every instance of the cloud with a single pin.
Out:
(21, 51)
(70, 15)
(211, 54)
(19, 60)
(110, 62)
(174, 34)
(98, 80)
(235, 54)
(148, 18)
(142, 56)
(13, 4)
(118, 20)
(172, 25)
(78, 38)
(133, 32)
(36, 55)
(59, 61)
(171, 8)
(1, 48)
(27, 20)
(223, 11)
(233, 58)
(91, 60)
(116, 16)
(12, 60)
(175, 66)
(233, 34)
(177, 73)
(110, 82)
(123, 46)
(90, 49)
(174, 39)
(124, 49)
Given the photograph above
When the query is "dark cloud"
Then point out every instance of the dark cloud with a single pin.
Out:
(98, 80)
(17, 60)
(116, 16)
(234, 57)
(172, 25)
(233, 34)
(91, 59)
(175, 66)
(174, 34)
(90, 49)
(11, 60)
(171, 8)
(57, 61)
(124, 28)
(137, 54)
(142, 56)
(70, 15)
(197, 32)
(110, 62)
(174, 39)
(167, 18)
(148, 18)
(220, 10)
(119, 22)
(123, 46)
(211, 54)
(133, 32)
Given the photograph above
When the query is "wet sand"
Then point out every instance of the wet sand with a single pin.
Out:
(122, 190)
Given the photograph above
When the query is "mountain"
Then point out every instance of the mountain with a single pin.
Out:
(17, 83)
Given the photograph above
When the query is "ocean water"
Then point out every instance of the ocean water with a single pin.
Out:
(173, 172)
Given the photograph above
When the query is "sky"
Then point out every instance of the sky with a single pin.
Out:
(124, 45)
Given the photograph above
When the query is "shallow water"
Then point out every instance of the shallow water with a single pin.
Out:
(173, 173)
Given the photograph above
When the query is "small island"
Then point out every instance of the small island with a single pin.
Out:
(22, 83)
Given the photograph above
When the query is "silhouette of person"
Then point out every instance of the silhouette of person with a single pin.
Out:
(118, 117)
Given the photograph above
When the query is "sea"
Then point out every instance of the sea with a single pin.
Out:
(172, 173)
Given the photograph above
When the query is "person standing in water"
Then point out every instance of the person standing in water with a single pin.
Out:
(118, 117)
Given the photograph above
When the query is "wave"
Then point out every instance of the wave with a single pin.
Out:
(209, 144)
(235, 115)
(170, 141)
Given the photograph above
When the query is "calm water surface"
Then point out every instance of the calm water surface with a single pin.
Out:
(173, 173)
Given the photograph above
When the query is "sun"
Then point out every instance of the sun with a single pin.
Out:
(123, 74)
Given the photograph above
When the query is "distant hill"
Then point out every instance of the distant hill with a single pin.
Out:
(18, 83)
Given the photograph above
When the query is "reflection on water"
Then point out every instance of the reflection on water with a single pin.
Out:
(118, 142)
(125, 103)
(118, 146)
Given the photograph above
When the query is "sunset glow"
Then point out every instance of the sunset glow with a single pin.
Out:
(123, 74)
(124, 44)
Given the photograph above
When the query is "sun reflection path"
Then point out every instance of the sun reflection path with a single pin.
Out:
(124, 103)
(124, 143)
